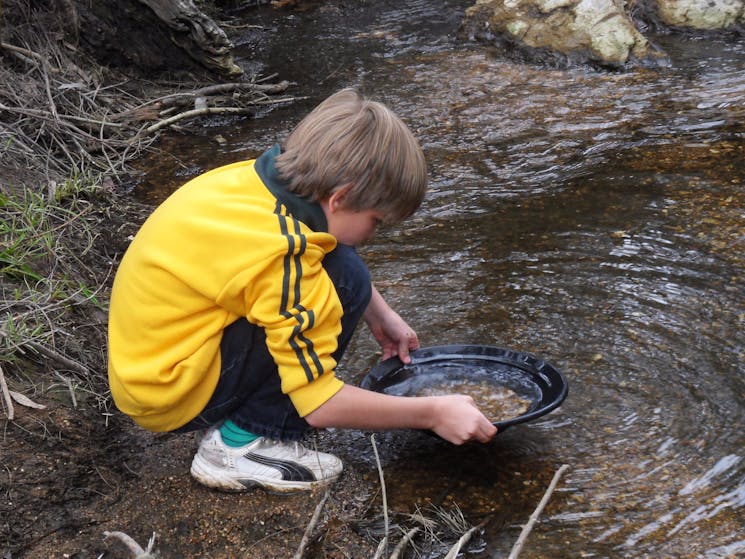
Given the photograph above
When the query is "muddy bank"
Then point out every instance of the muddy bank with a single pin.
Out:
(70, 475)
(68, 478)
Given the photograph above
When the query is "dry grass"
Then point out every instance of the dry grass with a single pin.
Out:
(55, 268)
(69, 132)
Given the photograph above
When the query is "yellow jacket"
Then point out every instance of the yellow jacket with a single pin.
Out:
(230, 243)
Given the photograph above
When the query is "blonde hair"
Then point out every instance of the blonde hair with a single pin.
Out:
(350, 140)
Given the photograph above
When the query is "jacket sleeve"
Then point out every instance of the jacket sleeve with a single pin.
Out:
(296, 303)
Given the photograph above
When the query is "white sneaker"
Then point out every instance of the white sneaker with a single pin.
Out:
(274, 465)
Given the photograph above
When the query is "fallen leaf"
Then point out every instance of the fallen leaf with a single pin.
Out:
(25, 401)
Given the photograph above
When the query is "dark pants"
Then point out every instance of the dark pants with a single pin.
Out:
(248, 392)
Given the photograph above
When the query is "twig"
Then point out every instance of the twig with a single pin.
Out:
(244, 26)
(311, 526)
(48, 87)
(463, 540)
(385, 498)
(403, 543)
(536, 513)
(23, 51)
(45, 115)
(225, 88)
(133, 546)
(198, 112)
(68, 383)
(267, 78)
(381, 548)
(6, 396)
(58, 357)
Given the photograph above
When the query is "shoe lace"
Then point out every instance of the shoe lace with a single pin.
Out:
(299, 449)
(295, 447)
(315, 449)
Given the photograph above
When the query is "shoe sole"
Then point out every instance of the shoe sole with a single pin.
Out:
(208, 475)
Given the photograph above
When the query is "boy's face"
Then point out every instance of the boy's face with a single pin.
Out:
(353, 227)
(350, 227)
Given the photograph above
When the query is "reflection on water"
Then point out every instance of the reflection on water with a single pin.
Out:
(593, 218)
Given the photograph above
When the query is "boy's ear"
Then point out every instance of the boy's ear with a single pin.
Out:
(336, 200)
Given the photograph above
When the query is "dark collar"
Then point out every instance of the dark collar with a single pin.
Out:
(306, 211)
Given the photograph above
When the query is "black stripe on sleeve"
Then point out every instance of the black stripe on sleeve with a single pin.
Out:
(292, 263)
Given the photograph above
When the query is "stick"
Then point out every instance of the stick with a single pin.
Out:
(534, 517)
(6, 396)
(311, 526)
(402, 544)
(463, 540)
(198, 112)
(56, 356)
(216, 111)
(68, 383)
(381, 548)
(48, 86)
(23, 51)
(133, 546)
(44, 115)
(226, 88)
(382, 486)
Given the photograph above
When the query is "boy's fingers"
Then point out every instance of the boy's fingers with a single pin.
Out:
(407, 342)
(491, 432)
(486, 434)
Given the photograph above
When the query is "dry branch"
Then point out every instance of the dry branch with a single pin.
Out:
(311, 526)
(53, 116)
(384, 543)
(408, 537)
(133, 546)
(217, 89)
(463, 540)
(195, 113)
(20, 50)
(57, 357)
(536, 513)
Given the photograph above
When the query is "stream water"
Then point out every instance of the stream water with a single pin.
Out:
(593, 218)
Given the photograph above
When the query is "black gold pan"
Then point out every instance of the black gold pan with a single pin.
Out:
(531, 378)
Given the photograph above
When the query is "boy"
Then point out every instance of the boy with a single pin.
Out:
(239, 294)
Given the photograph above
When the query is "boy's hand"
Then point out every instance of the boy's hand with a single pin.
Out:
(395, 337)
(458, 420)
(393, 334)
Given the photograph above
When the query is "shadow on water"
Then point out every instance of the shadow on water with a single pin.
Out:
(593, 218)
